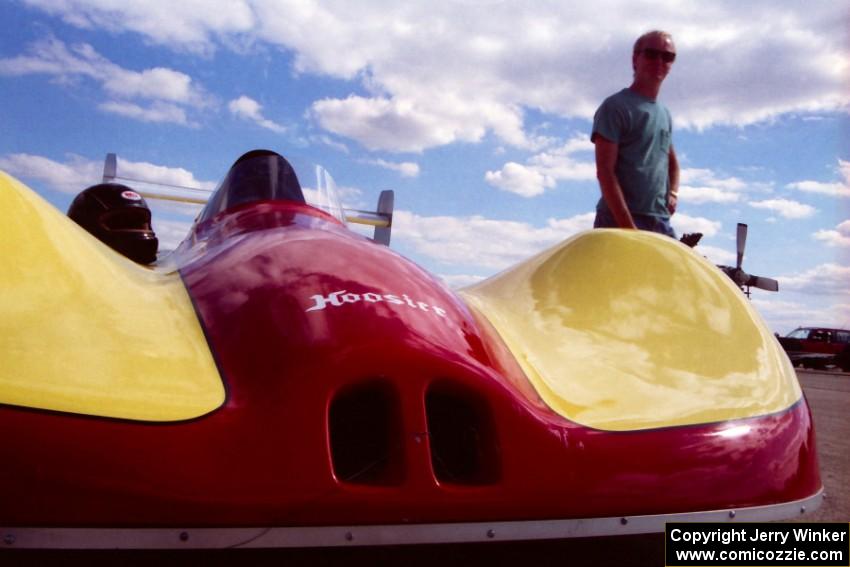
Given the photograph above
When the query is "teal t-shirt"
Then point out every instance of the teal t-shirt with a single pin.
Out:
(642, 128)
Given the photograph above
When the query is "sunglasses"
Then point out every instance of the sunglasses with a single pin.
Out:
(653, 54)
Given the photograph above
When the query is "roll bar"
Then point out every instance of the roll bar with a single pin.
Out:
(381, 218)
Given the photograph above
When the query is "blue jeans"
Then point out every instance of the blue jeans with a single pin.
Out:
(604, 219)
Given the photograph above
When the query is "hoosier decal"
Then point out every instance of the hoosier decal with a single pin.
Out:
(339, 298)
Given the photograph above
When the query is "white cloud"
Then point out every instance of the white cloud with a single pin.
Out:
(445, 72)
(699, 186)
(409, 125)
(701, 195)
(157, 112)
(70, 177)
(837, 189)
(832, 189)
(476, 241)
(784, 316)
(157, 84)
(840, 237)
(405, 168)
(331, 143)
(786, 208)
(685, 223)
(544, 170)
(578, 143)
(168, 94)
(77, 173)
(816, 297)
(709, 178)
(717, 255)
(249, 109)
(165, 175)
(552, 74)
(491, 244)
(520, 179)
(190, 25)
(826, 279)
(559, 162)
(567, 227)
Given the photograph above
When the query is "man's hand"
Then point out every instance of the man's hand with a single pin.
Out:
(672, 202)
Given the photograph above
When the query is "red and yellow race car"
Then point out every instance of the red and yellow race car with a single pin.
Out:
(279, 380)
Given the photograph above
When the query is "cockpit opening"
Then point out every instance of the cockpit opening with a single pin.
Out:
(257, 175)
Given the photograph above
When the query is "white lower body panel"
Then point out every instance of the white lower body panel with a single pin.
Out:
(377, 535)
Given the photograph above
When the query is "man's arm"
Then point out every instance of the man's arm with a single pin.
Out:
(606, 160)
(673, 172)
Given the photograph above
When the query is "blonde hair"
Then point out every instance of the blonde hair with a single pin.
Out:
(642, 39)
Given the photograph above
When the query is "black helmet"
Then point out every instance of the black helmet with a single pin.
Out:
(119, 217)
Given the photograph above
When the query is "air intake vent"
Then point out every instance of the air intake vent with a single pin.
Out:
(364, 426)
(464, 448)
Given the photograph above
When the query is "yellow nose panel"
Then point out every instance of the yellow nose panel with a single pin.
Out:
(627, 330)
(85, 330)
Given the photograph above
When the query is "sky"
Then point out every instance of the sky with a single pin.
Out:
(477, 113)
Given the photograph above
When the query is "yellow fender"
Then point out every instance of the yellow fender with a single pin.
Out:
(85, 330)
(626, 330)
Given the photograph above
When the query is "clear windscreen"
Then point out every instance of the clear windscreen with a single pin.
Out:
(324, 194)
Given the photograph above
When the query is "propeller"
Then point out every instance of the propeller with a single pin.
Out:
(741, 239)
(741, 278)
(767, 284)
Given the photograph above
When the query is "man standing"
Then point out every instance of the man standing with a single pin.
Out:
(635, 163)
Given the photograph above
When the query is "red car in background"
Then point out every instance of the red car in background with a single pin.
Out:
(816, 347)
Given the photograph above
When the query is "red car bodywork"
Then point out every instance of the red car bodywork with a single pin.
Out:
(360, 390)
